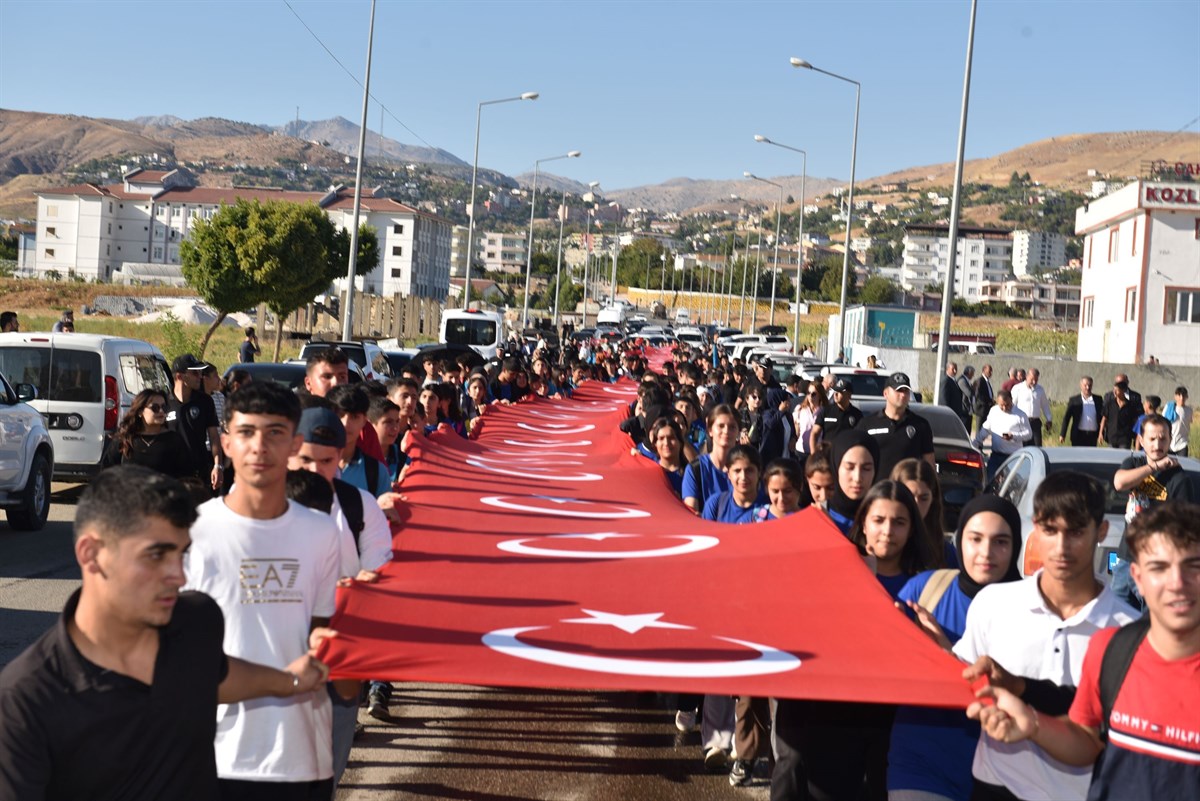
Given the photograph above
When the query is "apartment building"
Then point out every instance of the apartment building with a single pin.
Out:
(983, 254)
(100, 231)
(1141, 275)
(1042, 300)
(1035, 251)
(501, 252)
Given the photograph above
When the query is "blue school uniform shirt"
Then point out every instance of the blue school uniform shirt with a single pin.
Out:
(721, 508)
(932, 749)
(713, 481)
(356, 473)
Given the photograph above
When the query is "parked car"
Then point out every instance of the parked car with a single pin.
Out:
(1020, 475)
(691, 335)
(397, 359)
(864, 382)
(960, 467)
(289, 374)
(83, 384)
(26, 458)
(366, 354)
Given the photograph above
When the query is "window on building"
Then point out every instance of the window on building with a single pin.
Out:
(110, 207)
(51, 211)
(1198, 227)
(110, 228)
(108, 250)
(1183, 306)
(1114, 243)
(49, 253)
(1131, 304)
(52, 231)
(397, 250)
(158, 251)
(397, 228)
(396, 272)
(1089, 305)
(177, 211)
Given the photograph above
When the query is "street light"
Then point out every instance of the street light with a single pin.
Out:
(532, 210)
(778, 217)
(799, 236)
(802, 64)
(587, 259)
(562, 219)
(474, 174)
(612, 292)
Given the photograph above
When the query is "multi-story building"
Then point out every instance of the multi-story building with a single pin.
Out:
(1035, 251)
(458, 251)
(1141, 275)
(983, 254)
(95, 231)
(1042, 300)
(500, 252)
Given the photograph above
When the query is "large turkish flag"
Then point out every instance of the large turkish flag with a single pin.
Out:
(545, 554)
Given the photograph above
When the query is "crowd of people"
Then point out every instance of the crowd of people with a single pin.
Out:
(212, 544)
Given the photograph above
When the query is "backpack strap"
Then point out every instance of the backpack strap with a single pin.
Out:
(723, 504)
(1118, 656)
(371, 468)
(698, 478)
(935, 588)
(352, 507)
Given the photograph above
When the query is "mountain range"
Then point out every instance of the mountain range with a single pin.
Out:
(40, 150)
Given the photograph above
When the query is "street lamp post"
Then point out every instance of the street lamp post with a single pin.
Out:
(951, 267)
(562, 219)
(529, 249)
(474, 174)
(348, 312)
(802, 64)
(799, 235)
(588, 258)
(612, 292)
(778, 218)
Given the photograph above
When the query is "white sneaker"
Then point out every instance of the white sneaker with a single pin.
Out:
(685, 720)
(715, 758)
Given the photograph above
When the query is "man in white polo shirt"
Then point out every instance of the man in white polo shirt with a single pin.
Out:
(1007, 426)
(1030, 636)
(1030, 397)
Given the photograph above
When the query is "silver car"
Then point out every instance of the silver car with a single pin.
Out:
(26, 459)
(1021, 474)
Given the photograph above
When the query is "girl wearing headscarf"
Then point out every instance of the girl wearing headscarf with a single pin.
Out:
(854, 456)
(932, 749)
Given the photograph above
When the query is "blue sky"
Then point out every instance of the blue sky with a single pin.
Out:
(647, 90)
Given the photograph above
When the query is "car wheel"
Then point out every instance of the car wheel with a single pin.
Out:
(35, 498)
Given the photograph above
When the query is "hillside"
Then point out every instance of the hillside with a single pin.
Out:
(342, 135)
(684, 195)
(1062, 161)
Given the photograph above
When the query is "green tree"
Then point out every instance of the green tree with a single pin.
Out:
(831, 285)
(878, 289)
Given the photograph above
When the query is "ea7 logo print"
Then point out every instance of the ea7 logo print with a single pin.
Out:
(270, 581)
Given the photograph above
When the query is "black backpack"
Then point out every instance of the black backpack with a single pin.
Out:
(1118, 656)
(351, 502)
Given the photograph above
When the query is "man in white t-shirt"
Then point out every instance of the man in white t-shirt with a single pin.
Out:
(272, 566)
(365, 542)
(1030, 636)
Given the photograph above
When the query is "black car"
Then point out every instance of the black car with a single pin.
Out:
(289, 374)
(960, 467)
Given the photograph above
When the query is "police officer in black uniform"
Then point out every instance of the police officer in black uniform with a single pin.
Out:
(837, 416)
(901, 433)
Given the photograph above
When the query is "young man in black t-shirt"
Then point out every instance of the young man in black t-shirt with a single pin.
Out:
(1151, 477)
(901, 433)
(119, 699)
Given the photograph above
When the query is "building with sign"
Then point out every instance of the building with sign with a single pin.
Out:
(1140, 295)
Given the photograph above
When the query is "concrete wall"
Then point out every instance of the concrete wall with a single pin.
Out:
(1060, 376)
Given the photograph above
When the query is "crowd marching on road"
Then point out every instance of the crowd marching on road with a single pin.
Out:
(186, 665)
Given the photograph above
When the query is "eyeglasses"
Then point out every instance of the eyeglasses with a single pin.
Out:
(156, 407)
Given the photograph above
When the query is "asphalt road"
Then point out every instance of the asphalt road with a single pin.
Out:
(444, 741)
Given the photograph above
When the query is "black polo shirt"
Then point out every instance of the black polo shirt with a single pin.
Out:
(910, 437)
(833, 420)
(192, 420)
(70, 729)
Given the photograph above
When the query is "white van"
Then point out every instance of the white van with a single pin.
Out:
(612, 315)
(482, 331)
(84, 383)
(683, 317)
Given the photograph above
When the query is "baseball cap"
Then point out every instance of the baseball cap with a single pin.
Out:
(186, 362)
(767, 363)
(899, 381)
(841, 385)
(318, 417)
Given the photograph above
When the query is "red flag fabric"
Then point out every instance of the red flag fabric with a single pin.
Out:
(545, 554)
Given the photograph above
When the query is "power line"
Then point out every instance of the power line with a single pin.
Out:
(353, 77)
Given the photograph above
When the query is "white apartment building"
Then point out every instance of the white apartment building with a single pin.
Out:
(504, 253)
(1042, 300)
(1034, 251)
(95, 231)
(458, 251)
(1141, 275)
(983, 254)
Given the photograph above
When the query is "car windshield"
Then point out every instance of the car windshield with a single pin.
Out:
(866, 385)
(480, 331)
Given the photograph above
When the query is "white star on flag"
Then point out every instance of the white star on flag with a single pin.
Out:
(630, 624)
